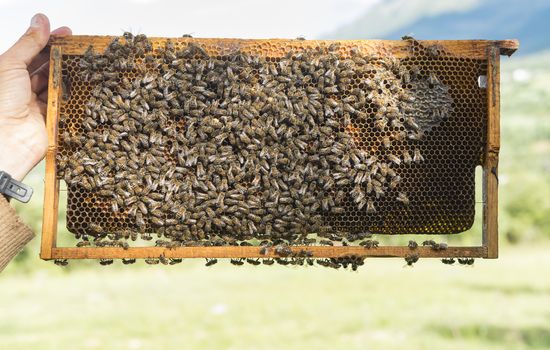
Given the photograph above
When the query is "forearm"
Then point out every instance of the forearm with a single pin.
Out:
(14, 234)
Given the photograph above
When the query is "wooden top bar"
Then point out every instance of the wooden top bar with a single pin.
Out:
(475, 49)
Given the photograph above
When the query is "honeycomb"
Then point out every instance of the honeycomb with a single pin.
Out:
(440, 189)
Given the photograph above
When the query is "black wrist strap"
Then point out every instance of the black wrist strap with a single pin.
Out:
(13, 188)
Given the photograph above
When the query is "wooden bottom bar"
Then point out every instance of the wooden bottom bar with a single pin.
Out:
(254, 252)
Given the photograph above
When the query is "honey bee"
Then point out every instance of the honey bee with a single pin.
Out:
(432, 79)
(146, 236)
(429, 243)
(417, 156)
(105, 262)
(152, 261)
(437, 246)
(210, 262)
(410, 121)
(381, 123)
(407, 159)
(411, 259)
(95, 228)
(466, 261)
(395, 159)
(61, 262)
(174, 261)
(433, 50)
(237, 262)
(402, 197)
(255, 262)
(448, 261)
(394, 182)
(369, 243)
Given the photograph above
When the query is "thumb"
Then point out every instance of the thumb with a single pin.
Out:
(32, 42)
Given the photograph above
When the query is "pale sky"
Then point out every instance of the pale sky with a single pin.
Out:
(172, 18)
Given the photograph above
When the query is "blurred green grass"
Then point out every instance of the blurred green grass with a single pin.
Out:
(496, 304)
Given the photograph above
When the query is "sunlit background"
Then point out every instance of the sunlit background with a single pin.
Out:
(496, 304)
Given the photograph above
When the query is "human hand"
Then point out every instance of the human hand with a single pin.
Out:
(23, 98)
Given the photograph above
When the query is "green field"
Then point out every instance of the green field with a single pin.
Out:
(496, 304)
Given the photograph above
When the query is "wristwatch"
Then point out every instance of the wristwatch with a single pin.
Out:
(12, 188)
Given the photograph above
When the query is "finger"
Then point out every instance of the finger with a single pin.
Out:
(62, 31)
(44, 55)
(40, 65)
(32, 42)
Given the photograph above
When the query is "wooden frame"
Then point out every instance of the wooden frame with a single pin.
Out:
(479, 49)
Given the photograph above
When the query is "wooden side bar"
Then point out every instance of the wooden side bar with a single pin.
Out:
(490, 167)
(51, 191)
(254, 252)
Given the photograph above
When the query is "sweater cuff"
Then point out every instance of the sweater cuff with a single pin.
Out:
(14, 234)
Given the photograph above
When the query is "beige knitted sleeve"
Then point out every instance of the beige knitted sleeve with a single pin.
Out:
(14, 234)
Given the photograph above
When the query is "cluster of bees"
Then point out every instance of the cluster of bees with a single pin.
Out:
(412, 258)
(221, 150)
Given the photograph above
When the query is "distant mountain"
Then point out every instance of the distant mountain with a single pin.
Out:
(528, 21)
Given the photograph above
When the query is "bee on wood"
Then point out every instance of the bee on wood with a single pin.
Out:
(369, 243)
(430, 243)
(283, 250)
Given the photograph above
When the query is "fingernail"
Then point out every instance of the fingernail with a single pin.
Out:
(35, 21)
